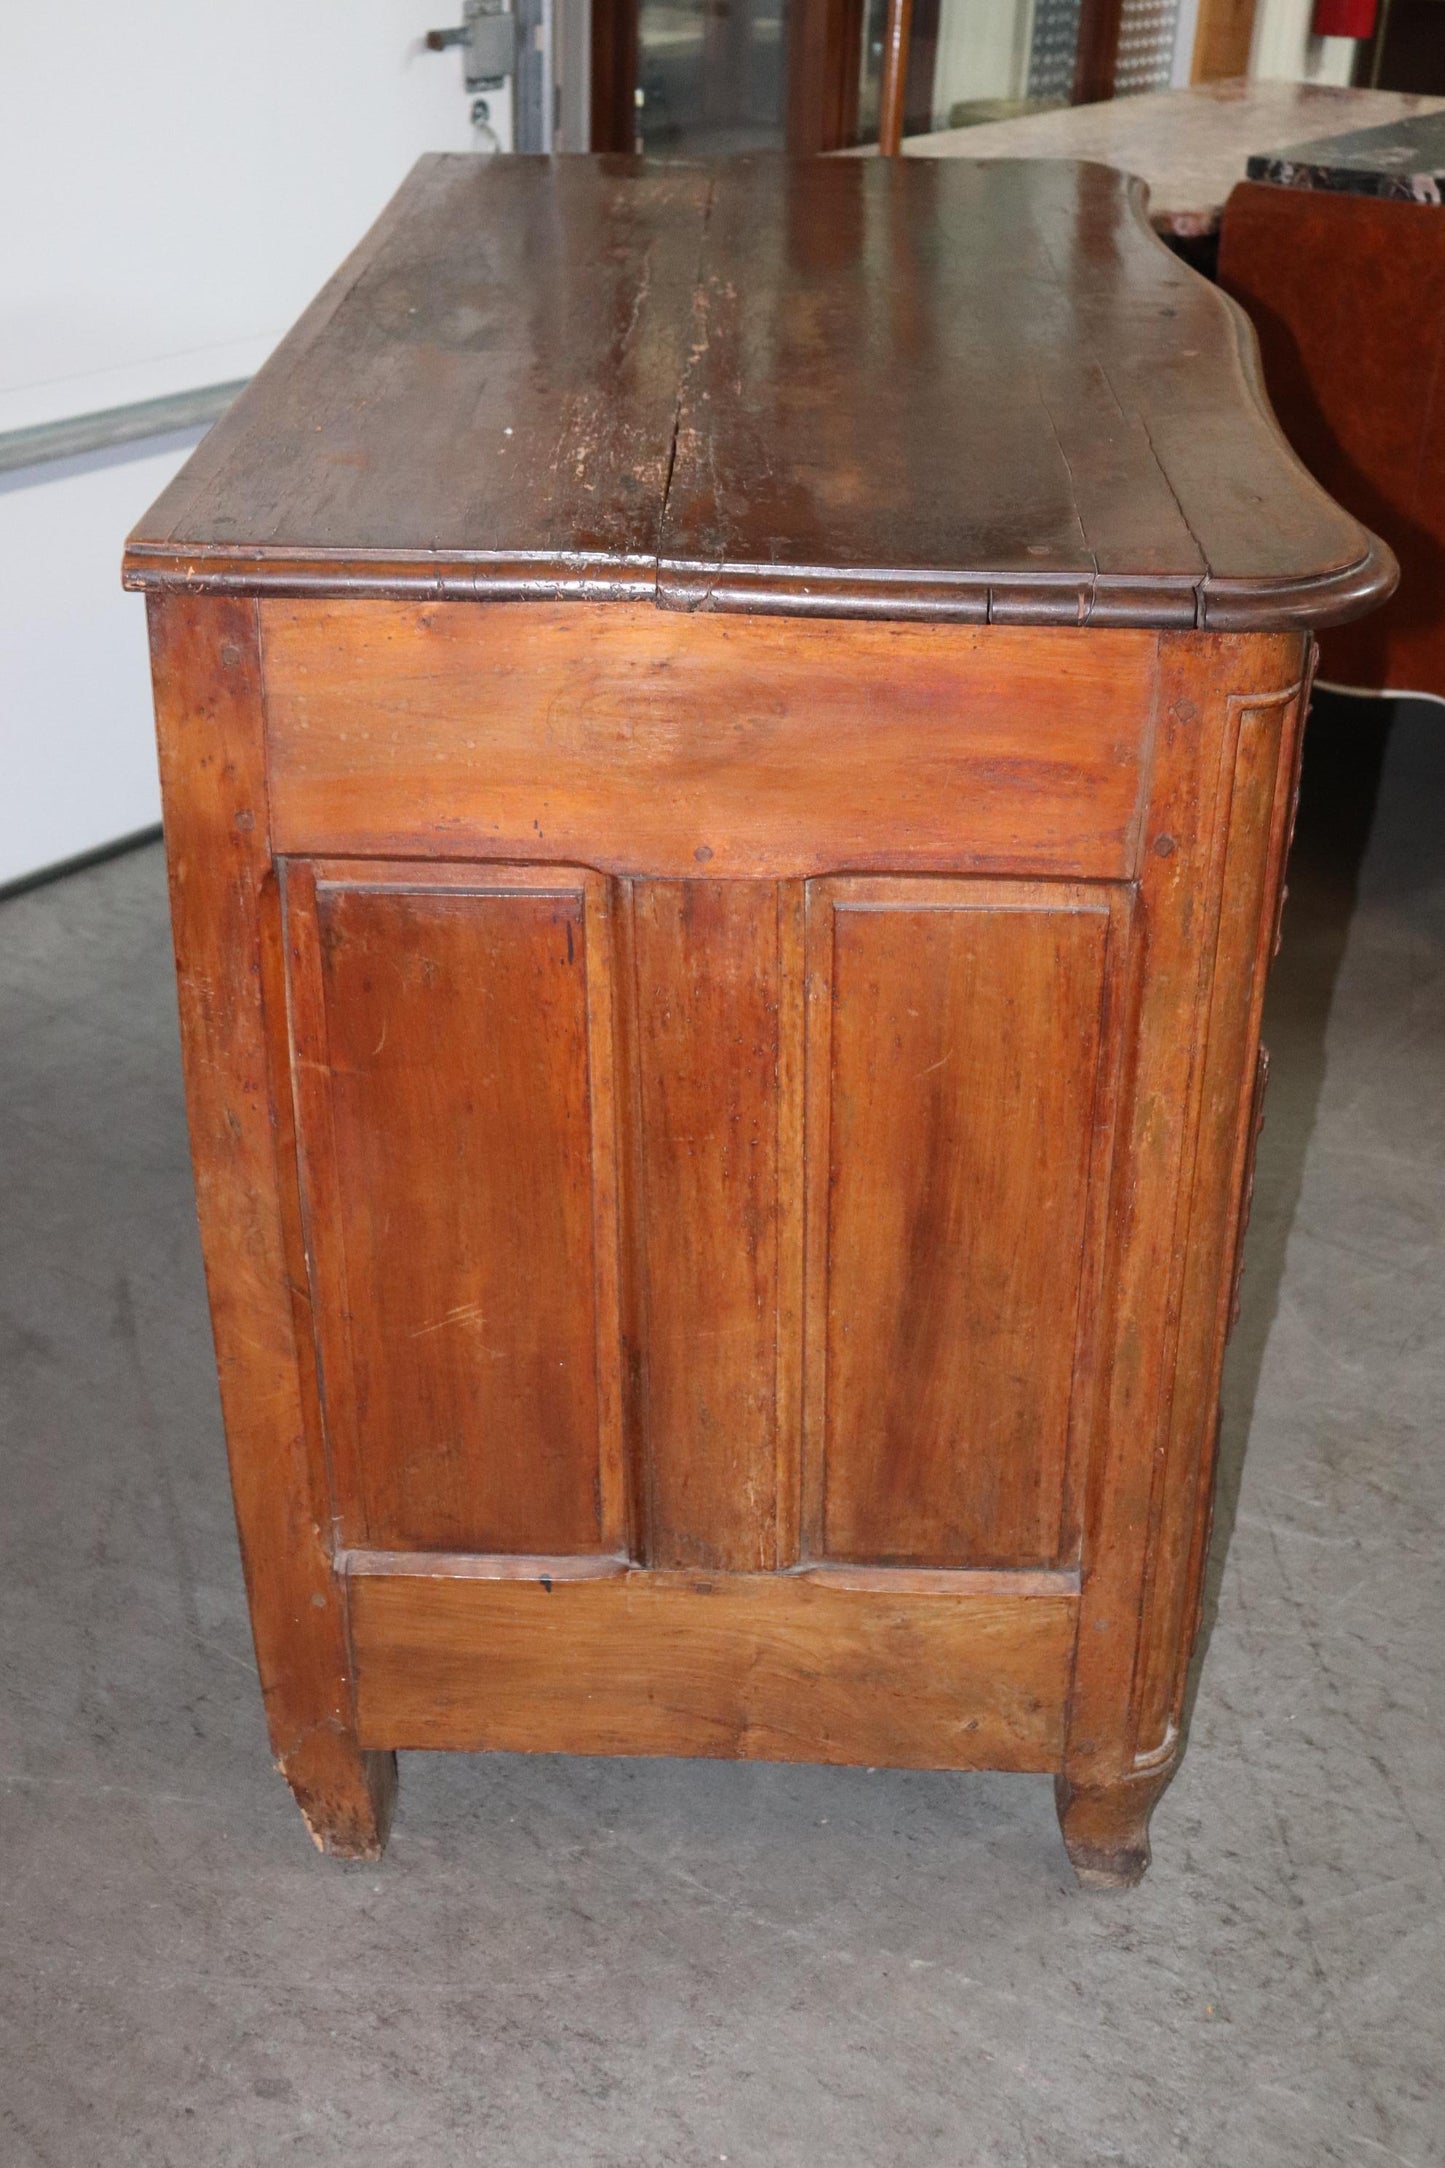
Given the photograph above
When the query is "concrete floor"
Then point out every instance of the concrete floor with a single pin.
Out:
(618, 1964)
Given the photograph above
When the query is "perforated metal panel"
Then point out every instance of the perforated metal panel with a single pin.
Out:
(1147, 30)
(1145, 61)
(1053, 48)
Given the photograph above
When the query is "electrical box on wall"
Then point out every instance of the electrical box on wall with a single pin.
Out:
(524, 66)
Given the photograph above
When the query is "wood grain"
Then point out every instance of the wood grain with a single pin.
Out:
(706, 984)
(205, 660)
(721, 932)
(893, 85)
(1253, 811)
(764, 1667)
(1164, 1163)
(1353, 368)
(444, 1073)
(1105, 1828)
(651, 744)
(499, 356)
(960, 1029)
(599, 377)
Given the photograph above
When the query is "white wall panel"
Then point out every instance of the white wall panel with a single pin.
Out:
(77, 755)
(1285, 47)
(179, 177)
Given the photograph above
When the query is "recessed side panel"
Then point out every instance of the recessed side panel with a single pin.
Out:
(959, 1078)
(453, 1088)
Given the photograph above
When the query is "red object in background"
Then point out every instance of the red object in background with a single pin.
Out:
(1344, 18)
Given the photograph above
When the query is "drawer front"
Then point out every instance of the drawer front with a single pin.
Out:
(651, 742)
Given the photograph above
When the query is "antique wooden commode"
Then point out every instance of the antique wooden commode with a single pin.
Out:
(728, 737)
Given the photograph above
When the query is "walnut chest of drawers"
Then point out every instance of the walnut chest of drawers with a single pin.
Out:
(728, 737)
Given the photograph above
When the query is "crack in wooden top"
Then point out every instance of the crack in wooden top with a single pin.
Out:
(981, 393)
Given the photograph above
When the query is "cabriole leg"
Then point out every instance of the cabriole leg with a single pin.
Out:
(1106, 1827)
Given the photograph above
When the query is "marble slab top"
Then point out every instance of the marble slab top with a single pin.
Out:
(1190, 146)
(1404, 161)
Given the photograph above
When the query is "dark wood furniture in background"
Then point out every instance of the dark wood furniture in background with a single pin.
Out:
(1099, 23)
(825, 50)
(1347, 293)
(728, 740)
(1407, 51)
(612, 47)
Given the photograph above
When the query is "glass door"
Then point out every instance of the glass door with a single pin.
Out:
(974, 61)
(710, 76)
(698, 78)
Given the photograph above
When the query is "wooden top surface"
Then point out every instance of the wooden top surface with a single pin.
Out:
(844, 387)
(1189, 146)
